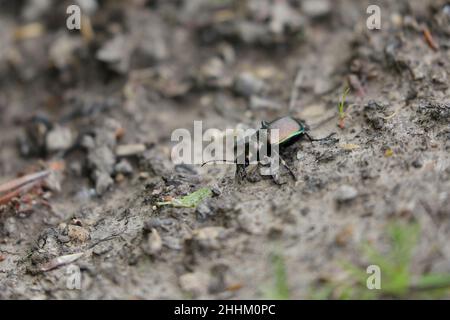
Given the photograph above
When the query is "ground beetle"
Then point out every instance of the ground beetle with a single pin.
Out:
(290, 130)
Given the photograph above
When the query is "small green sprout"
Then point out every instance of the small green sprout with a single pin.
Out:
(190, 201)
(341, 105)
(397, 277)
(279, 289)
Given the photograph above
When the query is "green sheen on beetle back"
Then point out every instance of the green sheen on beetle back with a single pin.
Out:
(288, 128)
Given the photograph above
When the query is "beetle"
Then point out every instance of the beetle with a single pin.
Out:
(290, 130)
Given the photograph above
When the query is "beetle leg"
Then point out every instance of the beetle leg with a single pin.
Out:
(321, 139)
(283, 162)
(288, 168)
(241, 174)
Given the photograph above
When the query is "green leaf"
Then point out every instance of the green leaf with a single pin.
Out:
(190, 201)
(342, 102)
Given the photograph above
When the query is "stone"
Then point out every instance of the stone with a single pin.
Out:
(345, 193)
(58, 139)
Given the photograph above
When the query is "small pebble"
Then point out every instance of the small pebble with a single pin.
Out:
(103, 183)
(345, 193)
(195, 283)
(59, 138)
(123, 167)
(316, 8)
(257, 103)
(203, 211)
(417, 163)
(247, 85)
(154, 242)
(216, 191)
(130, 149)
(77, 234)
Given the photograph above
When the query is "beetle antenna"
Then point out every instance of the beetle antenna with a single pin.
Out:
(224, 161)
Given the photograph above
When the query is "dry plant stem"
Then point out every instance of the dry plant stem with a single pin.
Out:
(18, 192)
(429, 39)
(21, 185)
(16, 183)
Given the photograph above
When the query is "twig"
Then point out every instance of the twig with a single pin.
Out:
(429, 38)
(21, 186)
(16, 183)
(18, 192)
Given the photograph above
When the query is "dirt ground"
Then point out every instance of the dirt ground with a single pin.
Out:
(99, 105)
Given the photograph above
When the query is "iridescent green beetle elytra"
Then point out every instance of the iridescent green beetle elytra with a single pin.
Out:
(289, 128)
